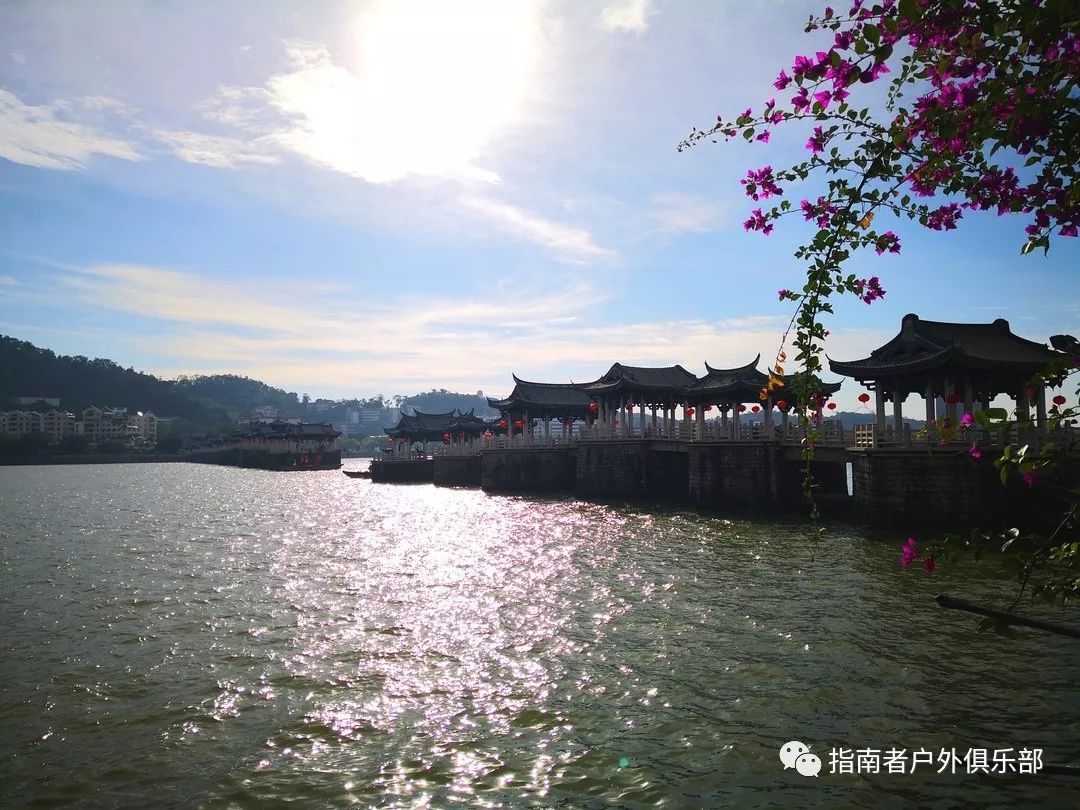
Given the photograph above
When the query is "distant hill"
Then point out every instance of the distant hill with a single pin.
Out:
(442, 400)
(81, 382)
(198, 403)
(239, 395)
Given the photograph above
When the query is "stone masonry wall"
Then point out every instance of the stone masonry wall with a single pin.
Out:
(527, 469)
(457, 471)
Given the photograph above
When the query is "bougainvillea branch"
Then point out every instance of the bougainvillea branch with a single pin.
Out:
(982, 113)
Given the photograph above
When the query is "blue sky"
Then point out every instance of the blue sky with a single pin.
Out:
(384, 197)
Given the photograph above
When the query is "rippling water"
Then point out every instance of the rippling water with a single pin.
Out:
(182, 635)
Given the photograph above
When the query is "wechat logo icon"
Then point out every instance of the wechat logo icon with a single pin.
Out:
(796, 755)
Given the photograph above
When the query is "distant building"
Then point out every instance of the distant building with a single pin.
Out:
(34, 398)
(371, 416)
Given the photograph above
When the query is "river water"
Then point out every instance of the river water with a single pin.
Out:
(179, 635)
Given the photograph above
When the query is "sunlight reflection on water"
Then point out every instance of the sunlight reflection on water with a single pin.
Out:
(208, 636)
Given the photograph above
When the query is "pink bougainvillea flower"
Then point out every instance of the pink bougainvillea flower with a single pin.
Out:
(782, 81)
(967, 420)
(1030, 478)
(975, 452)
(928, 564)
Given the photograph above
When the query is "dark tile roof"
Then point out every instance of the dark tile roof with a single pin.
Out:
(560, 397)
(640, 378)
(925, 345)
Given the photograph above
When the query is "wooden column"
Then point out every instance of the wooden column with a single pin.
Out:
(898, 414)
(1040, 407)
(879, 401)
(767, 418)
(735, 421)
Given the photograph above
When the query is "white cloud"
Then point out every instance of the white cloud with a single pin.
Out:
(676, 213)
(573, 243)
(7, 281)
(40, 136)
(626, 15)
(341, 343)
(18, 57)
(214, 150)
(430, 87)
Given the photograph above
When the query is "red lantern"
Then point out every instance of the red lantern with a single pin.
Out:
(689, 411)
(446, 437)
(742, 408)
(520, 423)
(616, 421)
(831, 406)
(756, 408)
(864, 398)
(503, 423)
(952, 398)
(782, 404)
(593, 407)
(630, 405)
(389, 440)
(1059, 400)
(488, 434)
(708, 408)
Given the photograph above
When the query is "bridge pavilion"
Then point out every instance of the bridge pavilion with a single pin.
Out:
(567, 402)
(626, 391)
(731, 387)
(957, 363)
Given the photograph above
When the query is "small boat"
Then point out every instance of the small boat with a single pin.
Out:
(358, 473)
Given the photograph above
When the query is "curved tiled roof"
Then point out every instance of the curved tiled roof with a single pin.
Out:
(925, 345)
(538, 396)
(643, 378)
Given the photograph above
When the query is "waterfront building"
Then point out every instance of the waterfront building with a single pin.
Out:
(19, 423)
(624, 393)
(729, 388)
(952, 365)
(566, 402)
(57, 424)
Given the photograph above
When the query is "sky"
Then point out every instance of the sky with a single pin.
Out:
(389, 196)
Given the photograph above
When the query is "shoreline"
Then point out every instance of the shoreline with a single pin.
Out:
(119, 458)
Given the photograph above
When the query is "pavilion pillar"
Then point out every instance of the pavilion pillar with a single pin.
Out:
(547, 426)
(1040, 407)
(969, 396)
(784, 422)
(700, 414)
(767, 418)
(653, 406)
(879, 402)
(735, 422)
(931, 415)
(898, 414)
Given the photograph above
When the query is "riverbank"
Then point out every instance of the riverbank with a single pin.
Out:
(90, 458)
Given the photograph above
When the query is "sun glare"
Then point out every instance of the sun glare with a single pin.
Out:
(432, 85)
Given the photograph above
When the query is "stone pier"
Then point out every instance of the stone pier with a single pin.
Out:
(632, 469)
(528, 469)
(384, 471)
(457, 471)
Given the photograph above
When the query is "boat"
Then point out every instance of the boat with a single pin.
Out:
(358, 473)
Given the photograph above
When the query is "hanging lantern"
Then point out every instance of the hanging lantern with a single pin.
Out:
(742, 408)
(593, 407)
(520, 423)
(952, 398)
(389, 440)
(616, 422)
(708, 408)
(446, 437)
(755, 409)
(864, 397)
(831, 406)
(630, 405)
(488, 434)
(503, 423)
(689, 411)
(782, 404)
(1059, 400)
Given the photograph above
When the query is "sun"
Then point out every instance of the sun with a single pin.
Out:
(432, 85)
